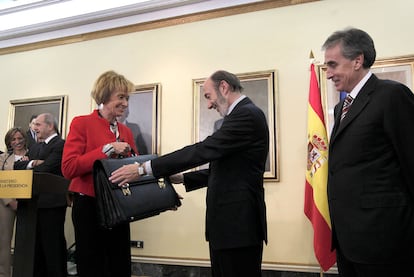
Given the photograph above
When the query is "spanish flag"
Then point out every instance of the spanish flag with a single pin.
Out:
(316, 196)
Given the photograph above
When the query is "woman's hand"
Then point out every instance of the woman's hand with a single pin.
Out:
(24, 158)
(121, 148)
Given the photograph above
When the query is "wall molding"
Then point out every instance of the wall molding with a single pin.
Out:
(65, 37)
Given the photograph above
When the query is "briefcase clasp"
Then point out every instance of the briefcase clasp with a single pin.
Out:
(125, 190)
(161, 183)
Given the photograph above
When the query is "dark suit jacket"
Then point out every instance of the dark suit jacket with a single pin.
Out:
(52, 156)
(371, 175)
(30, 139)
(237, 152)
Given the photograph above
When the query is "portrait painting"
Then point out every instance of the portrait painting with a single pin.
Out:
(22, 110)
(142, 117)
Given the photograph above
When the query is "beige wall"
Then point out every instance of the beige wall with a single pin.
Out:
(279, 39)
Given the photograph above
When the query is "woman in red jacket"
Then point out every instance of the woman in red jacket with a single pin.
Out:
(99, 252)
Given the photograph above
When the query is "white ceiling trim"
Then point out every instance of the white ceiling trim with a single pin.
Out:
(7, 7)
(110, 18)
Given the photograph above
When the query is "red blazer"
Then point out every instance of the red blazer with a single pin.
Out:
(87, 135)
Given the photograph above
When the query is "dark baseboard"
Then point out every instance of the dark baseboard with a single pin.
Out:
(159, 270)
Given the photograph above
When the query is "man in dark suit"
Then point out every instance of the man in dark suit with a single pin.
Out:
(50, 247)
(371, 163)
(237, 152)
(31, 134)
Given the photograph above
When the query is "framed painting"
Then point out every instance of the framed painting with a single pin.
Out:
(399, 69)
(22, 110)
(143, 117)
(260, 88)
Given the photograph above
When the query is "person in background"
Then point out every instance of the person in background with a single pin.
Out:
(237, 153)
(371, 161)
(46, 156)
(136, 131)
(15, 141)
(99, 252)
(31, 134)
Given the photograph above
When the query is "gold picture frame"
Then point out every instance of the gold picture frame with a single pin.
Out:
(400, 69)
(21, 110)
(260, 87)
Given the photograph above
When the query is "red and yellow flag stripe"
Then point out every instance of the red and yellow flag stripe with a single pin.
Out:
(316, 197)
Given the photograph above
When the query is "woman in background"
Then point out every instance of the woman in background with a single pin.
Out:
(15, 141)
(99, 252)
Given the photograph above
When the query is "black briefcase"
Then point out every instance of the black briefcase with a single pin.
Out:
(145, 198)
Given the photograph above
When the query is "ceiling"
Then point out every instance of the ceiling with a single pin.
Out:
(29, 21)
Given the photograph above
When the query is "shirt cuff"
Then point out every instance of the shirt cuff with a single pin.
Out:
(148, 168)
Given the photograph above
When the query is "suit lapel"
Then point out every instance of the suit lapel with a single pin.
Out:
(243, 102)
(337, 114)
(357, 107)
(45, 148)
(53, 140)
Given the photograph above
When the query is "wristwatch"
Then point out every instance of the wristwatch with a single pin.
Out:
(141, 170)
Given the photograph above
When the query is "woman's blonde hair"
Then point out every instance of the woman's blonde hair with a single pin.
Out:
(9, 137)
(108, 83)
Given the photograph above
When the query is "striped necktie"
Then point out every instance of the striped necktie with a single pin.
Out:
(114, 129)
(347, 105)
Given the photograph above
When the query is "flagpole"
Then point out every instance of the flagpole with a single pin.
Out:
(311, 57)
(321, 272)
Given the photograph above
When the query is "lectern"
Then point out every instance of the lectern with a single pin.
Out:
(24, 246)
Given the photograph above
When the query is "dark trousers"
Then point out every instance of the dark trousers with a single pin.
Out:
(236, 262)
(348, 268)
(50, 246)
(99, 252)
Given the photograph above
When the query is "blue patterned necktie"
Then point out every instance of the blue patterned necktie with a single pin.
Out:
(346, 106)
